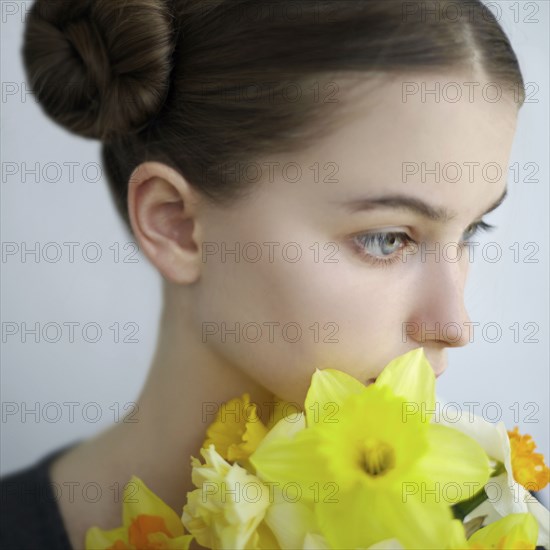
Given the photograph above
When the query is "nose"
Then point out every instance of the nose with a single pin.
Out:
(438, 316)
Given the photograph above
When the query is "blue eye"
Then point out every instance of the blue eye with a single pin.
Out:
(381, 246)
(385, 248)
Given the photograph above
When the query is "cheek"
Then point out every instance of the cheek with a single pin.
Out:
(357, 312)
(279, 320)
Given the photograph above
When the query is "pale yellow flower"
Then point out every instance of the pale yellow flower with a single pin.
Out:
(226, 509)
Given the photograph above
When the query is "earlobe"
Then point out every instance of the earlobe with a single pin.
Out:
(162, 208)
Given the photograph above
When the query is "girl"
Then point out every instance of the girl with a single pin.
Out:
(279, 163)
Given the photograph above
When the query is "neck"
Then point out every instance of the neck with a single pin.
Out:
(186, 381)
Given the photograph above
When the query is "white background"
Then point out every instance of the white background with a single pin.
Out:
(506, 378)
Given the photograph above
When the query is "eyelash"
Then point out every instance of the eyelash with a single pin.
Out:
(365, 239)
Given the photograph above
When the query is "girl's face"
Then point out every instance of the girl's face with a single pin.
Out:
(319, 267)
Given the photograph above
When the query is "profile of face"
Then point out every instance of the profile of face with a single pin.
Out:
(347, 253)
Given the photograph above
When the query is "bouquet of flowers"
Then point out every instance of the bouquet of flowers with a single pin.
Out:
(359, 467)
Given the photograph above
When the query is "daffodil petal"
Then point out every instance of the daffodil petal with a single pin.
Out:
(389, 544)
(415, 524)
(285, 428)
(314, 541)
(455, 465)
(160, 540)
(456, 539)
(98, 539)
(264, 537)
(506, 495)
(515, 527)
(410, 376)
(329, 389)
(488, 435)
(139, 499)
(290, 522)
(282, 460)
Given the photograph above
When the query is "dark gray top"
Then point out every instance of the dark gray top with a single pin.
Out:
(29, 514)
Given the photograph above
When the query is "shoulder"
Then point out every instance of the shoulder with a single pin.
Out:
(30, 515)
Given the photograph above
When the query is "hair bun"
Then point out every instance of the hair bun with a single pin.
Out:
(100, 68)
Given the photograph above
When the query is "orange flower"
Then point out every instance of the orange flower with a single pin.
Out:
(528, 467)
(148, 524)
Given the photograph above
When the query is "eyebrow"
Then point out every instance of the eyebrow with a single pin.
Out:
(412, 204)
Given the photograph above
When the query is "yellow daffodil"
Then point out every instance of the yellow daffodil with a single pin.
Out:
(389, 544)
(395, 473)
(291, 522)
(514, 532)
(148, 524)
(282, 409)
(226, 509)
(314, 541)
(237, 429)
(528, 467)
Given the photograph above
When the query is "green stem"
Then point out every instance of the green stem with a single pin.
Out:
(462, 509)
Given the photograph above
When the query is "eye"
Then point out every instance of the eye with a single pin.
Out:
(385, 248)
(474, 229)
(381, 248)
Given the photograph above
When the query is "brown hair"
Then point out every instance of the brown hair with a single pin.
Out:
(204, 84)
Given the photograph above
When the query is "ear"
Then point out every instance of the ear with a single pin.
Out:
(163, 208)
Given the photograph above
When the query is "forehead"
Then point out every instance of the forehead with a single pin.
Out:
(403, 133)
(416, 117)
